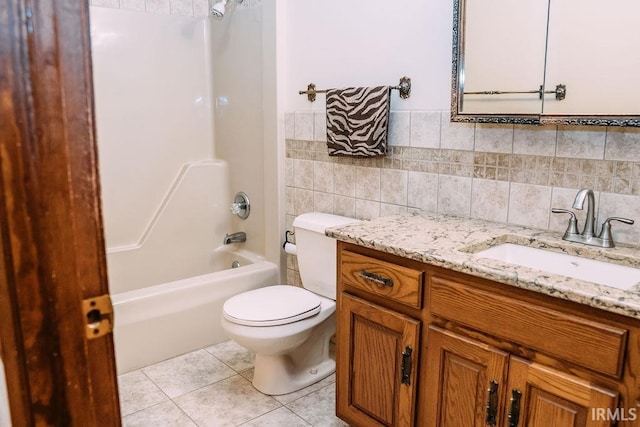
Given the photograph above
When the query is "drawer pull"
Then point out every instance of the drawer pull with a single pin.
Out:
(376, 278)
(514, 410)
(405, 368)
(492, 404)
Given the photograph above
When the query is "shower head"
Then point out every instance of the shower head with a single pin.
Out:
(217, 9)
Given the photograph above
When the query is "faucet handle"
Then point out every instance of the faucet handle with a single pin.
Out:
(558, 210)
(240, 205)
(605, 233)
(236, 208)
(572, 229)
(624, 220)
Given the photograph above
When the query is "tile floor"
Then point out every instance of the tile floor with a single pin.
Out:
(212, 387)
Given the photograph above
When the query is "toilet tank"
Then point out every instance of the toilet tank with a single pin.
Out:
(316, 252)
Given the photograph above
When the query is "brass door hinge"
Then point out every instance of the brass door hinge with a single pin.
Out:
(98, 315)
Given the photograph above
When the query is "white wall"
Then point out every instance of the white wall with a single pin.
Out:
(335, 43)
(153, 111)
(273, 91)
(236, 58)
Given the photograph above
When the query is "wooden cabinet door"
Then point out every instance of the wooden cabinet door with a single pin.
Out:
(464, 382)
(377, 351)
(549, 398)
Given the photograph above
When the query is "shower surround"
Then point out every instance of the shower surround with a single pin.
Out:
(167, 182)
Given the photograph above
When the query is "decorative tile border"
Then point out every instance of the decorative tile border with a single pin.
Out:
(509, 174)
(611, 176)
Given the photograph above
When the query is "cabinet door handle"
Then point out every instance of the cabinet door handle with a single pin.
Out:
(405, 368)
(376, 278)
(514, 410)
(492, 404)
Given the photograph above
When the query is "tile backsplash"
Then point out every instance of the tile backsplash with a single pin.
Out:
(505, 173)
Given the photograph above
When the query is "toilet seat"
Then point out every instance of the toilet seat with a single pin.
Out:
(271, 306)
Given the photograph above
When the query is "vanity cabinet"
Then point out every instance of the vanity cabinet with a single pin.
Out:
(474, 384)
(379, 350)
(513, 390)
(378, 346)
(481, 352)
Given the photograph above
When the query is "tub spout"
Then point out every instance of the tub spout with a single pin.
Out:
(238, 237)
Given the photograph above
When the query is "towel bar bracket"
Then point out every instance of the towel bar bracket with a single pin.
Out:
(404, 87)
(311, 92)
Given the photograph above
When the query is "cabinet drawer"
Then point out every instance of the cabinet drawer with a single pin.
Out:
(396, 282)
(578, 340)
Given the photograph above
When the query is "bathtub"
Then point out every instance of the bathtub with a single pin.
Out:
(165, 320)
(168, 286)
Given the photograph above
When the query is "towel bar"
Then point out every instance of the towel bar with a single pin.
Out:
(560, 92)
(404, 87)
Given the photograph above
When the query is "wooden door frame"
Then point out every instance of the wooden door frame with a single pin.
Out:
(52, 254)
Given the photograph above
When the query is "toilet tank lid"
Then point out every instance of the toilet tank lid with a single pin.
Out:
(319, 222)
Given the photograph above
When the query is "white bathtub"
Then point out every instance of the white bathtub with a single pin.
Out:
(162, 321)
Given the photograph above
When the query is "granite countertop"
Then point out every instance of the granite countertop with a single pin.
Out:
(450, 242)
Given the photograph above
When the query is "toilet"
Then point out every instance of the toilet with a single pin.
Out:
(287, 327)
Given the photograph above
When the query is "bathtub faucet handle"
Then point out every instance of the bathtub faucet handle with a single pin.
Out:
(236, 208)
(240, 205)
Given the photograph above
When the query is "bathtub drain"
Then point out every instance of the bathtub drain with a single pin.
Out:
(235, 264)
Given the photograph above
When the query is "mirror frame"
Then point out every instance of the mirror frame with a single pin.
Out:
(457, 68)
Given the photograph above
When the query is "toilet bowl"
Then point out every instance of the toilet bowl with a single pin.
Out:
(289, 356)
(287, 327)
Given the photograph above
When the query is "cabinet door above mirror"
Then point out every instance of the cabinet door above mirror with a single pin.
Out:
(546, 61)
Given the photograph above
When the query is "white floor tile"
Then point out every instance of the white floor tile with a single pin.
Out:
(237, 357)
(229, 402)
(188, 372)
(248, 374)
(166, 414)
(138, 392)
(318, 408)
(278, 418)
(288, 398)
(202, 389)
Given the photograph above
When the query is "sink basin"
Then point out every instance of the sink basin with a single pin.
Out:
(603, 273)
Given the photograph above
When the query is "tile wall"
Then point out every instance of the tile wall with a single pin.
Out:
(503, 173)
(195, 8)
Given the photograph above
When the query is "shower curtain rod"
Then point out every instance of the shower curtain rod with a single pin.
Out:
(404, 87)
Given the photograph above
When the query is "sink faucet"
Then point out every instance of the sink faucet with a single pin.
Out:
(578, 203)
(587, 237)
(238, 237)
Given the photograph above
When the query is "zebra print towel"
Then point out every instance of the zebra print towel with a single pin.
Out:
(357, 121)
